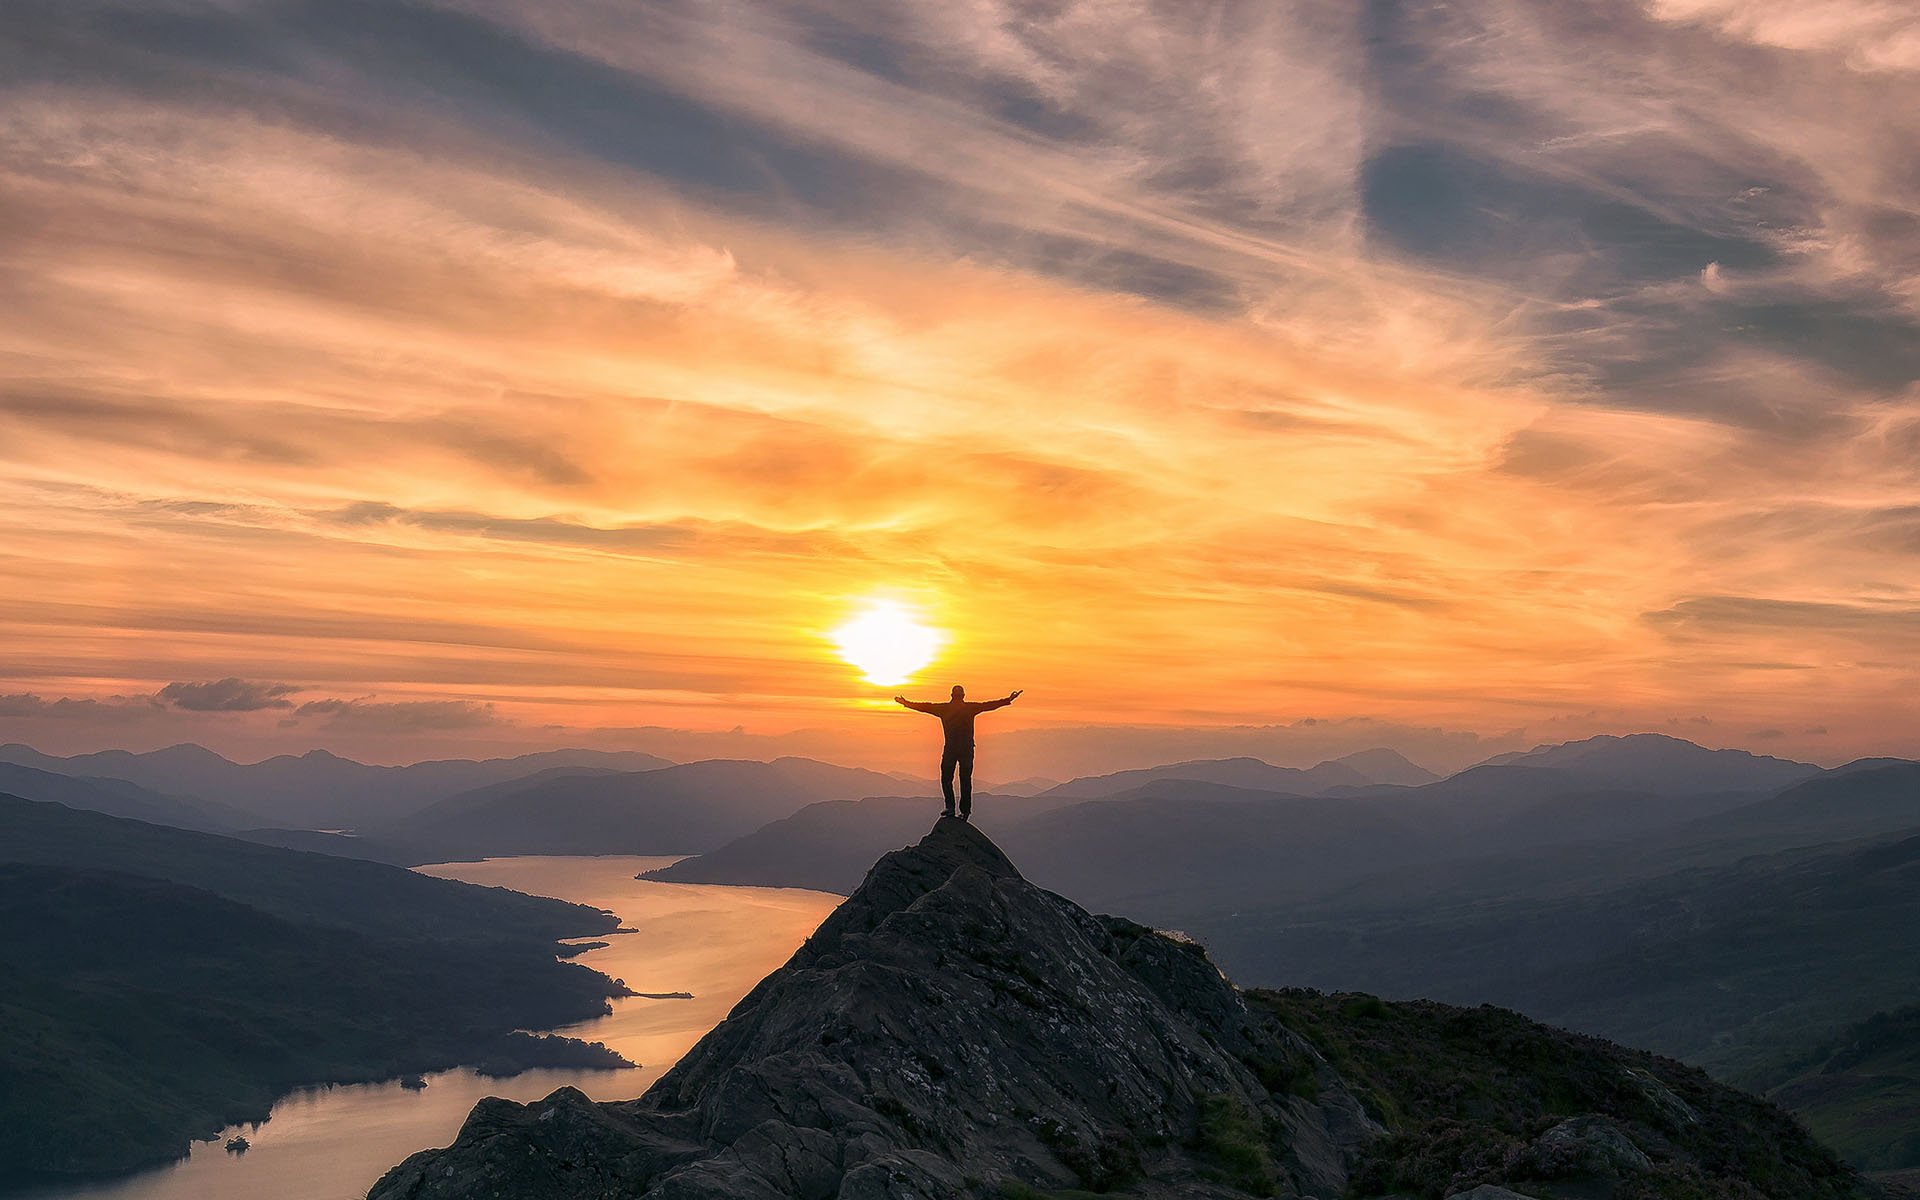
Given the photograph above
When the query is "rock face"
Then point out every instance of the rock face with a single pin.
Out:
(954, 1031)
(951, 1030)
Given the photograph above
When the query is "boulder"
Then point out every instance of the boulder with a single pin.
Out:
(1590, 1145)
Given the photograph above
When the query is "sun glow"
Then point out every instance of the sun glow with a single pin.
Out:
(887, 642)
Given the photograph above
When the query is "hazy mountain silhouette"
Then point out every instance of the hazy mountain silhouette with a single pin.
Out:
(1175, 846)
(1654, 762)
(310, 888)
(1251, 773)
(953, 1030)
(119, 798)
(681, 809)
(1386, 766)
(1853, 801)
(161, 983)
(316, 790)
(1033, 785)
(1726, 965)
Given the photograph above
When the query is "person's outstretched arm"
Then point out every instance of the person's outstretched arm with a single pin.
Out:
(1003, 701)
(915, 705)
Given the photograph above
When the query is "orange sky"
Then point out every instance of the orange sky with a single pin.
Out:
(473, 425)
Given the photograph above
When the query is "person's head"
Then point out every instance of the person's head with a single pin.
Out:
(959, 693)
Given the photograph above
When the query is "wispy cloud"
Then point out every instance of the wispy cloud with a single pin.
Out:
(1459, 365)
(400, 717)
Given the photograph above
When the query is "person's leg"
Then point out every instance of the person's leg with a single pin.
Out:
(948, 761)
(966, 783)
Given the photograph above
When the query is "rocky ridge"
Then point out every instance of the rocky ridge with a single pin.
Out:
(954, 1030)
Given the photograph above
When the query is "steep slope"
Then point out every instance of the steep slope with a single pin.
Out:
(826, 847)
(117, 797)
(683, 809)
(953, 1030)
(1658, 763)
(296, 886)
(1860, 1090)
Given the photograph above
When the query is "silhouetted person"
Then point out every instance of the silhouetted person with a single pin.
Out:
(956, 717)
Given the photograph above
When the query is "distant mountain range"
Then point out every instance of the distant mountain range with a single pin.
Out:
(1653, 762)
(683, 809)
(1727, 926)
(1185, 840)
(1717, 955)
(1384, 767)
(316, 790)
(119, 798)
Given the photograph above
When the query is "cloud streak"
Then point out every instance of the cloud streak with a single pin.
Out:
(227, 695)
(1464, 366)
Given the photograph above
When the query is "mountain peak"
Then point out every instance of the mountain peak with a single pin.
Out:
(952, 845)
(949, 1029)
(1388, 766)
(188, 752)
(1660, 762)
(953, 1030)
(902, 877)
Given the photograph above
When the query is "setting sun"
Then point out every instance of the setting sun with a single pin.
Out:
(887, 642)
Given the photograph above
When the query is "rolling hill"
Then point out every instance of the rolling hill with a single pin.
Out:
(117, 797)
(1859, 1090)
(318, 889)
(1724, 965)
(161, 983)
(683, 809)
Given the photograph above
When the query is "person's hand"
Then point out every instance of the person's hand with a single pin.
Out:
(1016, 693)
(899, 699)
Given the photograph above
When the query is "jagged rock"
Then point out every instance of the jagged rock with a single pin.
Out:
(951, 1027)
(954, 1031)
(1677, 1112)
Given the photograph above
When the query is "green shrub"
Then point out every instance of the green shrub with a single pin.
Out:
(1236, 1143)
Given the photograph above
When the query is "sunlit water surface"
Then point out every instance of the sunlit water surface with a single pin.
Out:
(333, 1143)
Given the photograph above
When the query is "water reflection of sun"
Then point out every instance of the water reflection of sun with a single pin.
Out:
(887, 642)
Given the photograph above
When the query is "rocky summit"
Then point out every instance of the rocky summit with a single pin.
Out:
(954, 1031)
